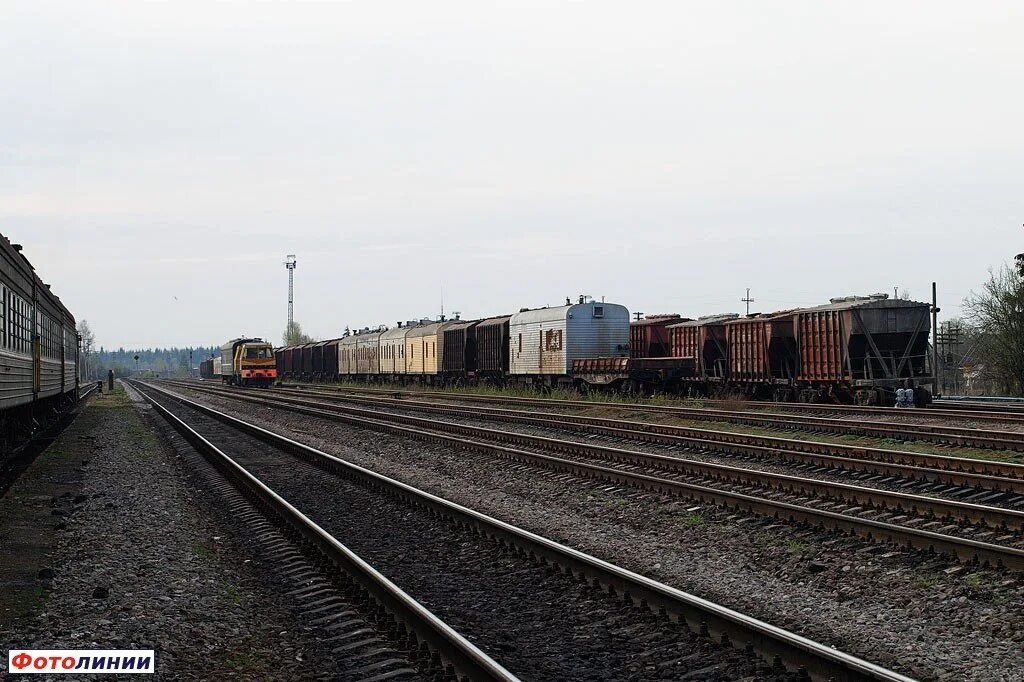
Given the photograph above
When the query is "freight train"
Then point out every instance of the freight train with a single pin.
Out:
(39, 348)
(856, 349)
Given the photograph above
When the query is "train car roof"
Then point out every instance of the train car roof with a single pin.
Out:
(720, 318)
(871, 301)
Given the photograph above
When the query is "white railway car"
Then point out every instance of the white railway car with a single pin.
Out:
(543, 343)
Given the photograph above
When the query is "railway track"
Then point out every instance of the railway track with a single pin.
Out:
(947, 435)
(655, 610)
(969, 532)
(964, 472)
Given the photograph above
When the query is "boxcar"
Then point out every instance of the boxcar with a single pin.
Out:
(392, 349)
(862, 348)
(649, 337)
(437, 342)
(492, 348)
(316, 370)
(457, 346)
(705, 341)
(368, 352)
(545, 342)
(281, 359)
(421, 349)
(347, 355)
(330, 361)
(305, 358)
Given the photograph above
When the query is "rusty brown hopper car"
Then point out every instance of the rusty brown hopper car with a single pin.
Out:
(703, 340)
(649, 337)
(861, 347)
(763, 349)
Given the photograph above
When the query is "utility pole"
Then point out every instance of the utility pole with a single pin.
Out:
(639, 316)
(935, 346)
(290, 263)
(747, 300)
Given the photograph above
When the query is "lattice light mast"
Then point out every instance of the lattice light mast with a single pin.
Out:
(290, 263)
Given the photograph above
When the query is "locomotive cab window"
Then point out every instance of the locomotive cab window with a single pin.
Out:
(598, 311)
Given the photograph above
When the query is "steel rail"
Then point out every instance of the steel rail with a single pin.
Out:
(992, 517)
(959, 471)
(84, 393)
(737, 629)
(963, 437)
(467, 659)
(963, 549)
(932, 411)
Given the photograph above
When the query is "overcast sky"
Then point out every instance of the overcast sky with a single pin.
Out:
(158, 161)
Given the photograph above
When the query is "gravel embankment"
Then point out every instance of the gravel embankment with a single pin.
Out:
(925, 617)
(126, 556)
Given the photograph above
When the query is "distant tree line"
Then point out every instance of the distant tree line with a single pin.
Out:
(162, 361)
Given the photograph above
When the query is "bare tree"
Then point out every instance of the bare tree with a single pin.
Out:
(293, 335)
(87, 370)
(997, 317)
(904, 294)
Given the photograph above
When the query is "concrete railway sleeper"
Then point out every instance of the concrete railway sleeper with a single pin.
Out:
(949, 435)
(784, 649)
(928, 508)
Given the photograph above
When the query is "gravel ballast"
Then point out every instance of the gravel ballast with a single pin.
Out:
(126, 555)
(922, 616)
(540, 624)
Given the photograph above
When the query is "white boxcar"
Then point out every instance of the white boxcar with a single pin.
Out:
(547, 340)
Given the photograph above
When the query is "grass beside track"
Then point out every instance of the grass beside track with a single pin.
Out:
(618, 407)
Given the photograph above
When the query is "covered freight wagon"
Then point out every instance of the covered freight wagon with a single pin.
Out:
(421, 349)
(347, 355)
(492, 348)
(368, 352)
(862, 348)
(457, 345)
(392, 349)
(545, 342)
